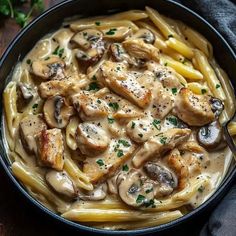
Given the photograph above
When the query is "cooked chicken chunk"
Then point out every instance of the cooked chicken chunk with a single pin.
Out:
(159, 144)
(139, 49)
(51, 148)
(63, 87)
(92, 140)
(105, 166)
(195, 110)
(180, 167)
(89, 106)
(29, 127)
(115, 76)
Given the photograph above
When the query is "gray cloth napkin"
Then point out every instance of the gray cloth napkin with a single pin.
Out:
(222, 15)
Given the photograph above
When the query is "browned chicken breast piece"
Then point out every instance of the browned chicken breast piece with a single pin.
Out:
(115, 76)
(195, 110)
(29, 127)
(159, 144)
(101, 167)
(51, 148)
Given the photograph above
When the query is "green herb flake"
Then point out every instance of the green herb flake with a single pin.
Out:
(163, 140)
(93, 86)
(173, 120)
(140, 199)
(125, 168)
(149, 190)
(174, 91)
(28, 61)
(201, 189)
(110, 120)
(58, 51)
(111, 31)
(46, 58)
(165, 64)
(203, 91)
(132, 125)
(35, 106)
(217, 86)
(94, 78)
(124, 143)
(120, 153)
(149, 203)
(97, 23)
(99, 101)
(156, 123)
(170, 36)
(114, 105)
(100, 162)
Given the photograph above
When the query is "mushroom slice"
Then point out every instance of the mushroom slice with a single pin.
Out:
(167, 180)
(61, 183)
(118, 34)
(195, 110)
(25, 95)
(92, 140)
(63, 87)
(159, 144)
(99, 193)
(139, 130)
(89, 106)
(26, 91)
(217, 106)
(48, 69)
(57, 112)
(51, 148)
(28, 128)
(115, 76)
(211, 136)
(146, 35)
(135, 190)
(139, 49)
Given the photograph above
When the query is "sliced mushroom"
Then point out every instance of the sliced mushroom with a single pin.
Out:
(61, 183)
(57, 112)
(99, 193)
(135, 190)
(211, 136)
(146, 35)
(26, 91)
(92, 140)
(48, 69)
(30, 126)
(217, 106)
(161, 174)
(24, 96)
(195, 110)
(118, 34)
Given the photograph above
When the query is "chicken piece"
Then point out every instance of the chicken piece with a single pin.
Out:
(92, 140)
(30, 126)
(195, 156)
(63, 87)
(51, 148)
(195, 110)
(53, 68)
(159, 144)
(179, 166)
(115, 76)
(89, 106)
(139, 49)
(100, 168)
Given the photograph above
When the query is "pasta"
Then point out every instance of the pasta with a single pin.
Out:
(110, 120)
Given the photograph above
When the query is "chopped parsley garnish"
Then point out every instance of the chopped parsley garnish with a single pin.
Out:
(156, 123)
(203, 91)
(124, 142)
(111, 31)
(163, 140)
(140, 199)
(97, 23)
(170, 36)
(201, 189)
(118, 68)
(217, 86)
(149, 203)
(149, 190)
(174, 91)
(140, 135)
(94, 78)
(133, 125)
(93, 86)
(28, 61)
(99, 101)
(58, 51)
(120, 153)
(125, 168)
(110, 120)
(35, 106)
(46, 58)
(100, 162)
(114, 105)
(165, 64)
(173, 120)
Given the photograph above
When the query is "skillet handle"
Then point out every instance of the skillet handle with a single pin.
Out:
(229, 140)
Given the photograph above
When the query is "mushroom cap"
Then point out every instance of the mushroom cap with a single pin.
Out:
(146, 35)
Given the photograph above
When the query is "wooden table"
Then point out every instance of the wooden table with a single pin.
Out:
(17, 216)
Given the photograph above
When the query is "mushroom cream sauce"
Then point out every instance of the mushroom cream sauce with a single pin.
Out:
(103, 127)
